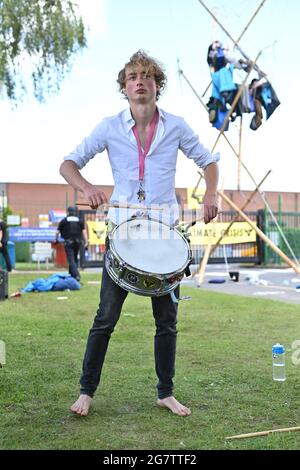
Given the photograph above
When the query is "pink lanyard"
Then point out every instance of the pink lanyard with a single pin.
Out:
(143, 153)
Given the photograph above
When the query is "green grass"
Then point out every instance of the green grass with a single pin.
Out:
(223, 373)
(38, 267)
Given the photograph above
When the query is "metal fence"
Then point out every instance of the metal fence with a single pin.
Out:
(232, 253)
(289, 243)
(251, 252)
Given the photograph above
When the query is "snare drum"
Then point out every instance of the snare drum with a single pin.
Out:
(147, 257)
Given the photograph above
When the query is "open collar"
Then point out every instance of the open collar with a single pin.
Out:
(129, 122)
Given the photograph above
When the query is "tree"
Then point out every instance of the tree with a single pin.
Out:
(5, 212)
(38, 39)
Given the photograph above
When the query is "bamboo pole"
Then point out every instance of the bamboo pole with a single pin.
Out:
(201, 101)
(181, 72)
(246, 169)
(215, 245)
(231, 38)
(204, 262)
(194, 196)
(260, 233)
(263, 433)
(240, 154)
(201, 269)
(250, 21)
(269, 209)
(241, 35)
(264, 200)
(234, 103)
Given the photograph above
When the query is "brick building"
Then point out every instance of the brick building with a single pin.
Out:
(31, 199)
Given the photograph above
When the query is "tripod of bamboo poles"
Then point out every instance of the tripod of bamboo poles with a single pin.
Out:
(240, 212)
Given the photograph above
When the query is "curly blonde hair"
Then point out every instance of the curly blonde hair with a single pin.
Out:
(151, 65)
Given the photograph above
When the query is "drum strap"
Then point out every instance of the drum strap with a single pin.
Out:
(173, 297)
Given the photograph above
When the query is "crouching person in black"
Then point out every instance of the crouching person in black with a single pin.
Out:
(73, 232)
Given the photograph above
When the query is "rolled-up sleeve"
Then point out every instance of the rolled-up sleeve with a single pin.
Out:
(94, 143)
(193, 149)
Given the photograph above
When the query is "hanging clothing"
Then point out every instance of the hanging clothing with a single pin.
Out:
(220, 118)
(263, 96)
(270, 99)
(223, 83)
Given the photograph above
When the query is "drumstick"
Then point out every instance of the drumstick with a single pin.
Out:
(264, 433)
(194, 221)
(123, 206)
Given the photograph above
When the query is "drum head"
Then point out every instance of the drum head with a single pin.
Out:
(150, 246)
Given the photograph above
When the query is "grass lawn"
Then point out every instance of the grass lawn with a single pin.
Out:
(224, 373)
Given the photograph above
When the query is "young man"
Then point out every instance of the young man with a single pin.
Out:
(142, 144)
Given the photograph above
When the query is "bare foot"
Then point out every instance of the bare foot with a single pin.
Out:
(82, 405)
(174, 405)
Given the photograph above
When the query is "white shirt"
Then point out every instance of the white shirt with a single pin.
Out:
(114, 134)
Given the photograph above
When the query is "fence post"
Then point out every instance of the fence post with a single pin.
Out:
(266, 231)
(280, 218)
(261, 246)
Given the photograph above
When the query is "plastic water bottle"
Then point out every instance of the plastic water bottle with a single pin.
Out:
(278, 356)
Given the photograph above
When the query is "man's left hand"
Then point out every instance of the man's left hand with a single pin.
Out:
(210, 202)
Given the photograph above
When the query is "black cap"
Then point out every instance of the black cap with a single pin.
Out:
(72, 210)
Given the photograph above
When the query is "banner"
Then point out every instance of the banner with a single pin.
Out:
(194, 202)
(96, 232)
(32, 234)
(240, 232)
(56, 215)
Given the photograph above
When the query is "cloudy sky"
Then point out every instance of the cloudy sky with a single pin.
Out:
(35, 137)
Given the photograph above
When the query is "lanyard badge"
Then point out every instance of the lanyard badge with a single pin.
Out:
(141, 194)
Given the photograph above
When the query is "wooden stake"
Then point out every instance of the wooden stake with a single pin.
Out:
(260, 233)
(263, 433)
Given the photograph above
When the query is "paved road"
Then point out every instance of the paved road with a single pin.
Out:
(275, 284)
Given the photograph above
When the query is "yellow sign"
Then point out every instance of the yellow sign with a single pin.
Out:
(194, 200)
(96, 232)
(239, 232)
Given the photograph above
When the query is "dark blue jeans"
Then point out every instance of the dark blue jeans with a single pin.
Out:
(112, 298)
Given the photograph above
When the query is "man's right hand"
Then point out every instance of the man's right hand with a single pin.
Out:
(94, 196)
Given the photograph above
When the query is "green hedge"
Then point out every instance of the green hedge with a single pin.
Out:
(293, 237)
(23, 252)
